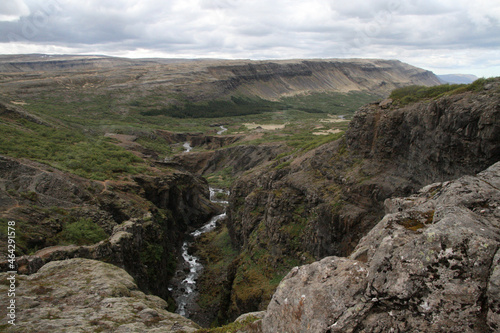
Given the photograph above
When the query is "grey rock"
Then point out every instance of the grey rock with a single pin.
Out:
(430, 265)
(82, 295)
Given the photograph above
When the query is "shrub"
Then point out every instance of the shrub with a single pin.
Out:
(82, 232)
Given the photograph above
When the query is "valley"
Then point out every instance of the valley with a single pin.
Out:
(117, 160)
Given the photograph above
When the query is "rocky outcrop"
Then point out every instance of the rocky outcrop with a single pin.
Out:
(305, 207)
(44, 198)
(432, 140)
(81, 295)
(235, 160)
(430, 265)
(199, 139)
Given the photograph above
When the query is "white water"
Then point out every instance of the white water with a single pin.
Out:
(187, 147)
(187, 286)
(222, 130)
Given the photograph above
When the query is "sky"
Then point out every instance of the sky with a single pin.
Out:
(444, 36)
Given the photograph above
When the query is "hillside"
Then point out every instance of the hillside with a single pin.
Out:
(199, 80)
(457, 78)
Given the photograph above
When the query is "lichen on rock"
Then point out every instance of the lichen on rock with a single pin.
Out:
(82, 295)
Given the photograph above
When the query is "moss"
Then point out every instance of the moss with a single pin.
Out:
(411, 224)
(417, 221)
(282, 165)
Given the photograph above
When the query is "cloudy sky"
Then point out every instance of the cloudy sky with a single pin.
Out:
(445, 36)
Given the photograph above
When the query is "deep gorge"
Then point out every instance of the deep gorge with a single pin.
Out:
(295, 205)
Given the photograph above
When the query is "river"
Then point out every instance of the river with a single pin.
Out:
(183, 285)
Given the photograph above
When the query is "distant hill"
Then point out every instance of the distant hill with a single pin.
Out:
(209, 79)
(457, 78)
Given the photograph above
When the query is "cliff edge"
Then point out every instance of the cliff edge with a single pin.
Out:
(430, 265)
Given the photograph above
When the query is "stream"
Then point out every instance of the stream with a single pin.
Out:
(183, 285)
(222, 130)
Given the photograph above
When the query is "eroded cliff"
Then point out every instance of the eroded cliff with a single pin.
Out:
(305, 207)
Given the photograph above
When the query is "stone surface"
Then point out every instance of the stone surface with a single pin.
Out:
(430, 265)
(81, 295)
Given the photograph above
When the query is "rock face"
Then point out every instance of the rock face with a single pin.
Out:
(303, 208)
(201, 80)
(425, 140)
(271, 80)
(104, 298)
(430, 265)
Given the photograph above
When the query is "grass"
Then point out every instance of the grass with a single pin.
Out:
(412, 94)
(222, 178)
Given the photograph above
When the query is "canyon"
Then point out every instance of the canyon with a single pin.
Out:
(301, 216)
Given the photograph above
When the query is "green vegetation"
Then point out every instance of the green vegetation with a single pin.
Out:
(300, 139)
(81, 232)
(215, 250)
(222, 178)
(411, 94)
(70, 150)
(238, 106)
(332, 103)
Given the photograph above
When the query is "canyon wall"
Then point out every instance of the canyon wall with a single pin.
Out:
(303, 208)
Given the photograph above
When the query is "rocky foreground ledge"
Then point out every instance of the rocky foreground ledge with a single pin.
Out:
(82, 295)
(432, 264)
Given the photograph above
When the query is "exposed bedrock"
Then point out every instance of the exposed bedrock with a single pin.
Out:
(430, 265)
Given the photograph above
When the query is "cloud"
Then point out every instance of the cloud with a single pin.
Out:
(259, 29)
(13, 10)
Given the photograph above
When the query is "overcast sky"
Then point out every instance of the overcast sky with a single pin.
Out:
(445, 36)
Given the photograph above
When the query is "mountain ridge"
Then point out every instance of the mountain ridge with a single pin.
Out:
(200, 80)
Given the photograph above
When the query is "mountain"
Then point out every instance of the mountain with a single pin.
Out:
(202, 80)
(457, 78)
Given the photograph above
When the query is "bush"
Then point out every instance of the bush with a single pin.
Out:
(82, 232)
